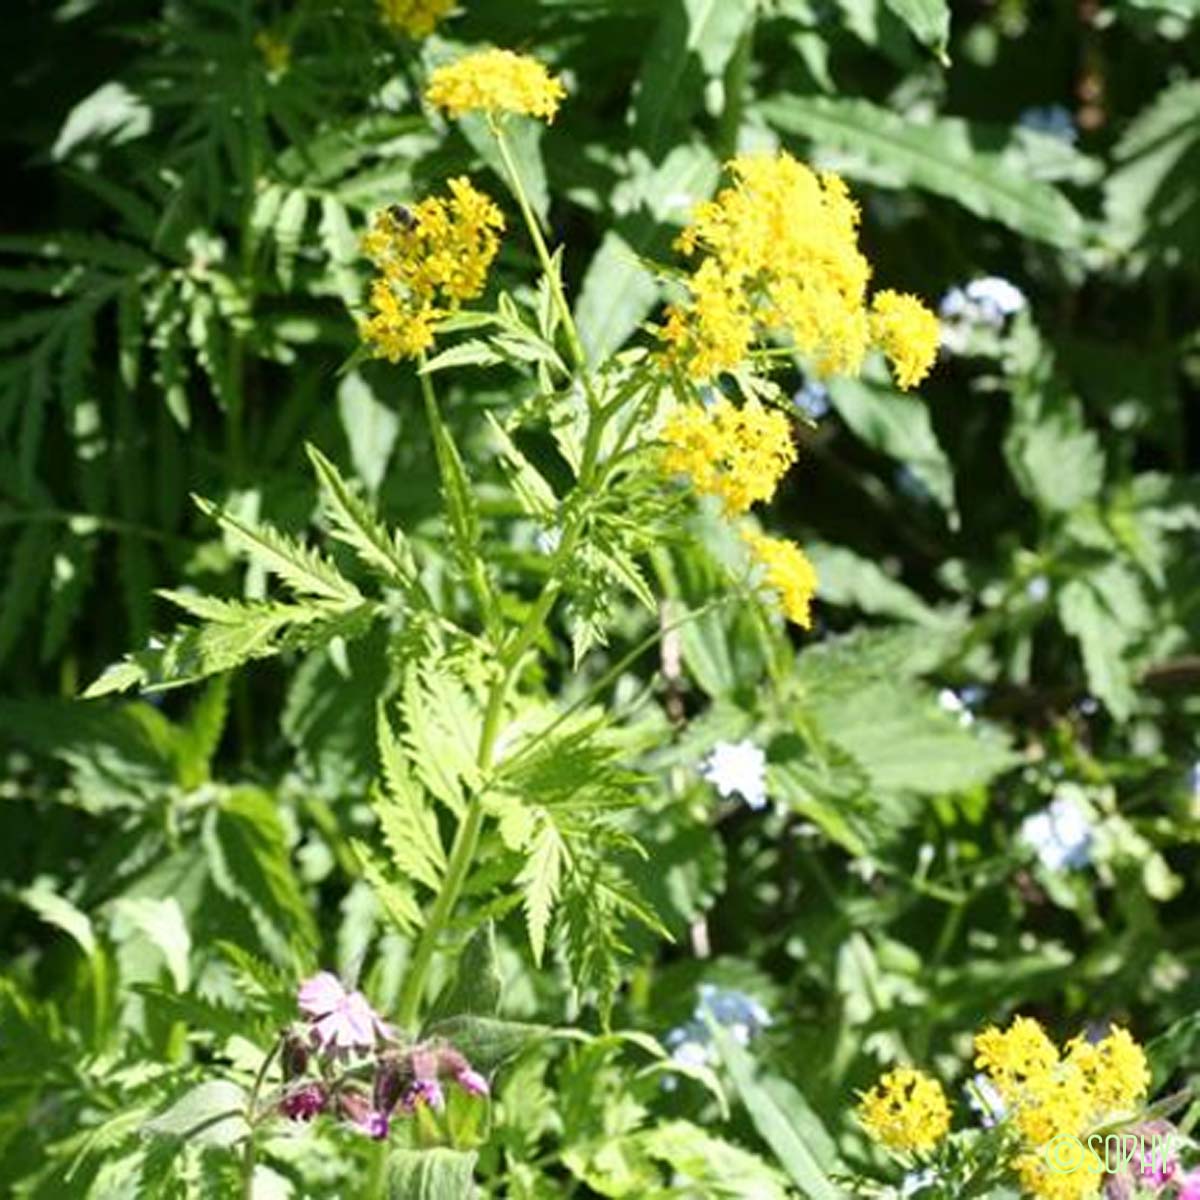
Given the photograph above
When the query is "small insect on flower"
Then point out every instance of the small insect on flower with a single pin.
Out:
(906, 1110)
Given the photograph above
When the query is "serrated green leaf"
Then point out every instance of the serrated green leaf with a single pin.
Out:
(289, 227)
(408, 822)
(898, 425)
(302, 569)
(475, 988)
(210, 1114)
(250, 863)
(162, 921)
(356, 524)
(395, 897)
(540, 880)
(431, 1175)
(929, 21)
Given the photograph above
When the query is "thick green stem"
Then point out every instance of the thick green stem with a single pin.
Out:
(466, 840)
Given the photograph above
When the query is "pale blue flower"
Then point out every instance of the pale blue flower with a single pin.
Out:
(985, 303)
(741, 1014)
(1060, 835)
(812, 399)
(691, 1044)
(1051, 119)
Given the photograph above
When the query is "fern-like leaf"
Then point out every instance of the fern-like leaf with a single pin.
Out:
(355, 524)
(305, 571)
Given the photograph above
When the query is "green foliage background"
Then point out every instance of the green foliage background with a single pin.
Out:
(179, 270)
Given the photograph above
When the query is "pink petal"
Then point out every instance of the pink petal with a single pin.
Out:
(473, 1082)
(358, 1019)
(321, 994)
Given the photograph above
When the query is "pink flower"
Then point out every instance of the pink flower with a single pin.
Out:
(356, 1108)
(424, 1091)
(1189, 1186)
(341, 1020)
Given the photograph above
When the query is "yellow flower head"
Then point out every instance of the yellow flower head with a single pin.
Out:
(905, 1110)
(1114, 1069)
(1055, 1097)
(789, 572)
(496, 81)
(431, 258)
(908, 333)
(276, 52)
(1039, 1179)
(738, 454)
(1015, 1056)
(779, 257)
(417, 18)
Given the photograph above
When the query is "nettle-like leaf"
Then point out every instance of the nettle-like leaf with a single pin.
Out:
(408, 821)
(250, 863)
(431, 1175)
(443, 726)
(540, 879)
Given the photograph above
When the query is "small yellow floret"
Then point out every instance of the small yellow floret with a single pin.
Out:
(906, 1110)
(496, 81)
(738, 454)
(417, 18)
(1114, 1068)
(1016, 1055)
(908, 333)
(789, 572)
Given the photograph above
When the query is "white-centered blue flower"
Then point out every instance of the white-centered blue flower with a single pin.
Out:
(1060, 835)
(738, 768)
(985, 303)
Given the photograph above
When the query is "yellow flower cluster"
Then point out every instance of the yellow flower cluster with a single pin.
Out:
(417, 18)
(496, 81)
(1052, 1095)
(738, 454)
(789, 572)
(781, 257)
(431, 258)
(906, 1111)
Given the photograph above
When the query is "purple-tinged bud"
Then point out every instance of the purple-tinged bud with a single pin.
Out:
(355, 1107)
(472, 1082)
(392, 1078)
(304, 1102)
(294, 1056)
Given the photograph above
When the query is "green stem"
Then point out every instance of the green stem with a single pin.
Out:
(249, 1150)
(466, 839)
(444, 450)
(543, 252)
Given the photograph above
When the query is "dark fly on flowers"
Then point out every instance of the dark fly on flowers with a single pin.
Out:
(403, 216)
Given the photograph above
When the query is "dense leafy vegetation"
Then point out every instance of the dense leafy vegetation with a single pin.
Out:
(439, 682)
